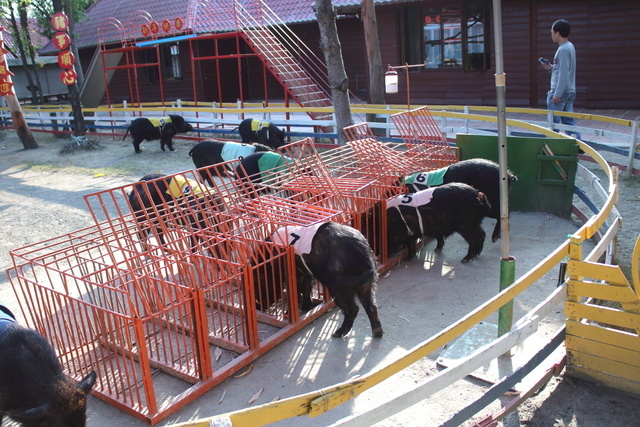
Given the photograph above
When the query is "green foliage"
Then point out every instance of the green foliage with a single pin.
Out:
(43, 10)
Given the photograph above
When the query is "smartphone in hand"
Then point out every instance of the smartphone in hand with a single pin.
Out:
(543, 61)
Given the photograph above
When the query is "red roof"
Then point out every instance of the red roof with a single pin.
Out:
(104, 16)
(34, 30)
(117, 19)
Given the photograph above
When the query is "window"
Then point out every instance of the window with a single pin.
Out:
(171, 62)
(447, 36)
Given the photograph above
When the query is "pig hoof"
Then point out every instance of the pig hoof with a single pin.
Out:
(172, 149)
(339, 334)
(378, 332)
(437, 250)
(494, 239)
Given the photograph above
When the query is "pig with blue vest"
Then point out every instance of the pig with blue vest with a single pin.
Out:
(210, 152)
(437, 212)
(162, 128)
(481, 174)
(340, 258)
(260, 131)
(34, 391)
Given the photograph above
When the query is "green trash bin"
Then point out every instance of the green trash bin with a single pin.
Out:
(546, 169)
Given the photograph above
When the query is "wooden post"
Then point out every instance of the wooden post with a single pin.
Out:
(19, 123)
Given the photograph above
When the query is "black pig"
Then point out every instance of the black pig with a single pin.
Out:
(33, 389)
(262, 170)
(162, 128)
(160, 194)
(211, 152)
(482, 174)
(252, 130)
(437, 212)
(340, 258)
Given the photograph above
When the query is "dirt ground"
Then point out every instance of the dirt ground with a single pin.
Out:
(41, 197)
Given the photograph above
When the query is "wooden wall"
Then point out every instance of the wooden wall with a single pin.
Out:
(606, 36)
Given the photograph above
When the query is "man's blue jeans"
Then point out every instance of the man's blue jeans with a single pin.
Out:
(565, 104)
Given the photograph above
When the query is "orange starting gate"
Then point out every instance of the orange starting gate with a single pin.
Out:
(178, 282)
(420, 132)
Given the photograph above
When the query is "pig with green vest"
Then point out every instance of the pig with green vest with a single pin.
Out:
(211, 152)
(481, 174)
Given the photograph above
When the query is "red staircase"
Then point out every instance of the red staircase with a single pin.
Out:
(303, 75)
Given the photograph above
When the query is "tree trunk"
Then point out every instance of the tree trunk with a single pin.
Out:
(338, 81)
(80, 129)
(376, 71)
(20, 125)
(21, 51)
(74, 46)
(36, 89)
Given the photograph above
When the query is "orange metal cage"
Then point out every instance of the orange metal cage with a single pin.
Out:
(178, 282)
(424, 138)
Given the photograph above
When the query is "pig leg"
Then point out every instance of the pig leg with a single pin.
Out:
(440, 245)
(170, 144)
(136, 144)
(349, 310)
(304, 288)
(496, 232)
(475, 239)
(365, 295)
(411, 249)
(163, 142)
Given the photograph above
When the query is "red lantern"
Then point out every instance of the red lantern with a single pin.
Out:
(178, 24)
(166, 26)
(145, 30)
(154, 27)
(69, 76)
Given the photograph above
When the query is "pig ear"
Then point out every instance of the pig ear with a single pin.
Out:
(87, 382)
(33, 413)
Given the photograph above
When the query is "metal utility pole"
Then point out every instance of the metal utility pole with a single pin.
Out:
(507, 263)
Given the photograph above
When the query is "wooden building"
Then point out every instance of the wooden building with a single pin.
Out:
(453, 38)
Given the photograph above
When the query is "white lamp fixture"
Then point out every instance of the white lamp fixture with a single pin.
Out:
(391, 81)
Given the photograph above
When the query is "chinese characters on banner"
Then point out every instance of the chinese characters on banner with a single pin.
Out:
(5, 81)
(153, 27)
(62, 41)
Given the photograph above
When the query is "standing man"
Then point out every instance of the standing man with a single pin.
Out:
(563, 75)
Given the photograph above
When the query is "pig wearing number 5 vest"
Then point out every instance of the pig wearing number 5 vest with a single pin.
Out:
(437, 212)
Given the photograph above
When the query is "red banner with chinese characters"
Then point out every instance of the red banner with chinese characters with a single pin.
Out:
(4, 70)
(6, 88)
(5, 85)
(69, 76)
(66, 59)
(60, 22)
(61, 40)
